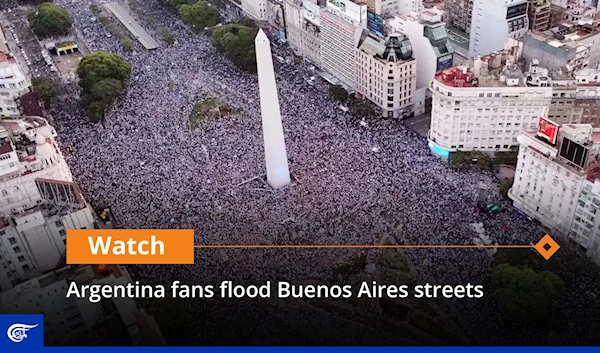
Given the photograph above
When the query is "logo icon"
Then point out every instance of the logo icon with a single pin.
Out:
(18, 332)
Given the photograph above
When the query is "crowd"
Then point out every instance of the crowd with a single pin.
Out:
(354, 182)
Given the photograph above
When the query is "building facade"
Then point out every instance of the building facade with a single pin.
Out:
(304, 29)
(13, 84)
(341, 28)
(553, 164)
(257, 9)
(539, 15)
(484, 107)
(386, 73)
(432, 50)
(494, 22)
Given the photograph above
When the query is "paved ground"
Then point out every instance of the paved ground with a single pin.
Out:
(419, 124)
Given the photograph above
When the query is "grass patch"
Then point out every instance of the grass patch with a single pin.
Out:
(126, 44)
(208, 108)
(95, 9)
(171, 85)
(166, 36)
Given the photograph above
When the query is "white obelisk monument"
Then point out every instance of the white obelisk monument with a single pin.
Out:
(278, 172)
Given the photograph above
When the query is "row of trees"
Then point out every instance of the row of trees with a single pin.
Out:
(102, 76)
(527, 288)
(361, 108)
(197, 15)
(49, 20)
(236, 42)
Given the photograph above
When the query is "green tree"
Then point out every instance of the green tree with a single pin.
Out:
(505, 186)
(199, 15)
(236, 42)
(173, 317)
(525, 295)
(49, 20)
(126, 44)
(338, 92)
(363, 108)
(45, 89)
(103, 76)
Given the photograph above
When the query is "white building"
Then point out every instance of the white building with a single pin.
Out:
(257, 9)
(341, 27)
(485, 106)
(303, 21)
(585, 228)
(71, 321)
(13, 84)
(494, 22)
(386, 73)
(393, 7)
(28, 151)
(432, 49)
(551, 170)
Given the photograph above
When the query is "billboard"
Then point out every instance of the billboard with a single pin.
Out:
(348, 8)
(573, 152)
(516, 11)
(275, 16)
(102, 268)
(311, 12)
(548, 130)
(444, 62)
(375, 23)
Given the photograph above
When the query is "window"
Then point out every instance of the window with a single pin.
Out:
(59, 223)
(26, 268)
(17, 249)
(12, 240)
(21, 258)
(62, 232)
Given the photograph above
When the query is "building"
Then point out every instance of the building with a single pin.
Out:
(77, 321)
(13, 84)
(484, 106)
(553, 164)
(576, 97)
(389, 8)
(431, 49)
(539, 15)
(341, 28)
(386, 73)
(256, 9)
(460, 14)
(494, 22)
(28, 151)
(585, 228)
(304, 29)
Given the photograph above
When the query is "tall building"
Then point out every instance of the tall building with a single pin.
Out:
(341, 28)
(485, 105)
(257, 9)
(539, 15)
(388, 8)
(304, 29)
(28, 151)
(494, 22)
(74, 321)
(576, 97)
(13, 84)
(431, 46)
(386, 73)
(39, 200)
(553, 163)
(460, 13)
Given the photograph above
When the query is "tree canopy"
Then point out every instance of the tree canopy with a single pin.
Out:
(44, 89)
(49, 20)
(505, 187)
(103, 77)
(236, 42)
(199, 15)
(363, 108)
(525, 295)
(338, 92)
(173, 5)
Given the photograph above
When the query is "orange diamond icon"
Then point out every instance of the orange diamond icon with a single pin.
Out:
(547, 247)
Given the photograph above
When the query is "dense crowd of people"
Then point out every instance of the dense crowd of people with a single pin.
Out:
(354, 182)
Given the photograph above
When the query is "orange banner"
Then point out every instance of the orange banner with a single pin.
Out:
(130, 246)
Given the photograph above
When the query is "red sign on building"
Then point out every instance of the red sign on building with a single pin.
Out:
(548, 130)
(102, 268)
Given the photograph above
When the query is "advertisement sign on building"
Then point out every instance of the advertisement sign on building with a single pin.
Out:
(348, 8)
(375, 23)
(275, 15)
(311, 12)
(548, 130)
(444, 62)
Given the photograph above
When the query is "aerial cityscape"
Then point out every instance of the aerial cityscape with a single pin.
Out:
(306, 122)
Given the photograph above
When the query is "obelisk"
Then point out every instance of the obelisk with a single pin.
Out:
(278, 172)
